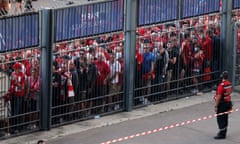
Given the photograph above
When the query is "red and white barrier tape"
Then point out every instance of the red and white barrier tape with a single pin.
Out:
(168, 127)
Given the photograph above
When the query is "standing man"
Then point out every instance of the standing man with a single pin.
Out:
(115, 69)
(160, 68)
(17, 93)
(147, 68)
(223, 104)
(101, 81)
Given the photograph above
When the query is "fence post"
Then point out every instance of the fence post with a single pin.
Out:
(179, 10)
(130, 15)
(46, 69)
(179, 40)
(227, 37)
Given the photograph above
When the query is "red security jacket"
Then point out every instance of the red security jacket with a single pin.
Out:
(224, 90)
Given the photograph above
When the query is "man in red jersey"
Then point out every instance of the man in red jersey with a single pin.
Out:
(16, 94)
(102, 78)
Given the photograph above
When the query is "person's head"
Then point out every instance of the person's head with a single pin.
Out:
(197, 47)
(35, 63)
(17, 67)
(224, 75)
(28, 53)
(72, 65)
(147, 47)
(100, 56)
(159, 45)
(81, 53)
(147, 43)
(41, 142)
(65, 66)
(169, 45)
(90, 59)
(35, 72)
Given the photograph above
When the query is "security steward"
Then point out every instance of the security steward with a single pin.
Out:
(223, 104)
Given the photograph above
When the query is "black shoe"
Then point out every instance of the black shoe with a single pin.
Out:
(218, 137)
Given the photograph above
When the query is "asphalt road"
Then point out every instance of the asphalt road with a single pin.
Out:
(200, 132)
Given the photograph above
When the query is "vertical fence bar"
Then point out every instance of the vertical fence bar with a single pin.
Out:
(130, 46)
(226, 36)
(46, 69)
(180, 10)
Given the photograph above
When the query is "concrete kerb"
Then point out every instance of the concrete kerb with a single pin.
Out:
(113, 119)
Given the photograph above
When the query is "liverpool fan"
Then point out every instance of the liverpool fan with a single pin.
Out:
(16, 94)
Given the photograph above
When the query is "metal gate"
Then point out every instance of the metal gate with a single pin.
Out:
(84, 38)
(177, 59)
(20, 76)
(20, 91)
(87, 79)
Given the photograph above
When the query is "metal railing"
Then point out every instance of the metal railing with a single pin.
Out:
(81, 88)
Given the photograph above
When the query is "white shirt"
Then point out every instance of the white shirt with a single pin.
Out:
(115, 67)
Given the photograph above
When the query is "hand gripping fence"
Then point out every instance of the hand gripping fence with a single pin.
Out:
(168, 127)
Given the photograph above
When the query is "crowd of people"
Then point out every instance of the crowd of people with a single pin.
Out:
(22, 70)
(95, 69)
(88, 74)
(159, 61)
(188, 56)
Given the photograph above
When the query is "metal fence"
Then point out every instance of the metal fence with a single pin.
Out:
(174, 58)
(20, 91)
(87, 79)
(175, 61)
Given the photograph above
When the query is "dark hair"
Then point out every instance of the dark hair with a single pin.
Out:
(224, 75)
(40, 141)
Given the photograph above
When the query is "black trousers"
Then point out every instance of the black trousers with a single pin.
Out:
(222, 120)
